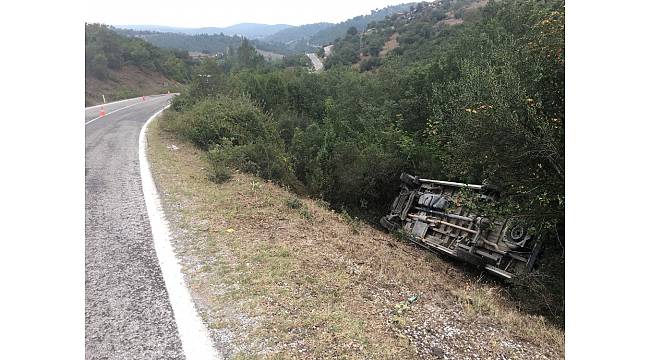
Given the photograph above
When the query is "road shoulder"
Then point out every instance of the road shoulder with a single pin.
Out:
(192, 331)
(275, 274)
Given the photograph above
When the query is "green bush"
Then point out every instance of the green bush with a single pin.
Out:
(171, 121)
(213, 120)
(369, 63)
(219, 172)
(237, 134)
(481, 100)
(182, 102)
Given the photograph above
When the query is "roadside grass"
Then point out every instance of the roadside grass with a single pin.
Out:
(279, 276)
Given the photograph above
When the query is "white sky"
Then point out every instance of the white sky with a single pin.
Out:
(218, 13)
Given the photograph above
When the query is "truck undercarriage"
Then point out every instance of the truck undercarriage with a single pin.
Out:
(431, 215)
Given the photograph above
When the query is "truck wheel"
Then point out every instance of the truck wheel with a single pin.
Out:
(409, 180)
(389, 225)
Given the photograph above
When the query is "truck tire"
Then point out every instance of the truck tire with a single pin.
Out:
(409, 180)
(389, 225)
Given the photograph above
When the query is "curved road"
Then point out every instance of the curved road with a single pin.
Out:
(128, 313)
(315, 61)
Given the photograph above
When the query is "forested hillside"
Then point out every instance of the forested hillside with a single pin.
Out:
(120, 67)
(296, 33)
(479, 97)
(211, 44)
(331, 33)
(413, 33)
(105, 50)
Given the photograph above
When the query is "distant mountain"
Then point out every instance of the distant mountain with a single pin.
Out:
(254, 31)
(155, 28)
(297, 33)
(249, 30)
(280, 38)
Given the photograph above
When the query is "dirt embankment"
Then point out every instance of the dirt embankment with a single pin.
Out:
(128, 82)
(390, 45)
(276, 276)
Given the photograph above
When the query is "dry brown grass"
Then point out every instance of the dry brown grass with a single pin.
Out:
(273, 282)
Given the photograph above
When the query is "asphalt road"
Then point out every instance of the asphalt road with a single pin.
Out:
(315, 61)
(93, 112)
(128, 314)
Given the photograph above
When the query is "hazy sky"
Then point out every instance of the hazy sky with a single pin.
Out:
(203, 13)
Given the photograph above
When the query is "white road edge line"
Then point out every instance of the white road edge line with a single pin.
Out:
(111, 103)
(119, 101)
(192, 331)
(116, 110)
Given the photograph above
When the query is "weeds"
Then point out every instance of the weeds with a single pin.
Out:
(540, 292)
(304, 212)
(219, 173)
(294, 203)
(478, 300)
(322, 203)
(353, 222)
(255, 185)
(400, 310)
(401, 235)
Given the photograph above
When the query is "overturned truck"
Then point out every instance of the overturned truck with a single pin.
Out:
(431, 215)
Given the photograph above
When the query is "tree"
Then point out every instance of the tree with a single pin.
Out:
(479, 101)
(98, 66)
(247, 55)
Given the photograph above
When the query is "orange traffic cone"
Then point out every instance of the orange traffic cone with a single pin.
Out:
(102, 112)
